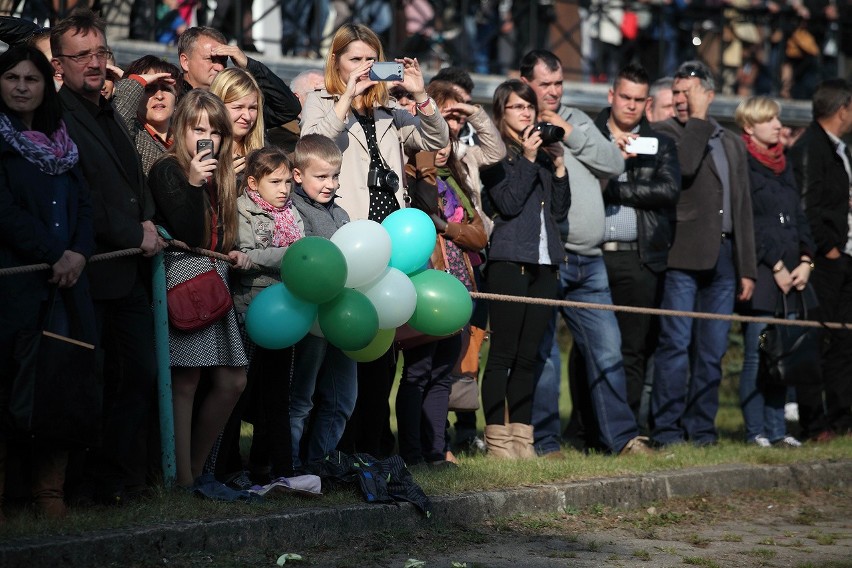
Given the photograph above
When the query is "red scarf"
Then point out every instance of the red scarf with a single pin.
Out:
(286, 230)
(772, 157)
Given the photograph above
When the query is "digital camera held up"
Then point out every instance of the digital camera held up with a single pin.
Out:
(383, 178)
(550, 133)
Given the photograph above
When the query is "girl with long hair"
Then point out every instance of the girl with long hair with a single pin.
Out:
(244, 100)
(195, 193)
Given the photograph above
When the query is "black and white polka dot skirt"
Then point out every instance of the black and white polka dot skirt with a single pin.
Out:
(218, 345)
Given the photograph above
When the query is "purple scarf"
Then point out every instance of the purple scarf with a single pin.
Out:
(52, 155)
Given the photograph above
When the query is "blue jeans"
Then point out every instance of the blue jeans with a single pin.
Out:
(545, 413)
(596, 335)
(762, 405)
(323, 374)
(688, 360)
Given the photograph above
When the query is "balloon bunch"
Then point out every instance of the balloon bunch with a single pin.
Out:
(358, 287)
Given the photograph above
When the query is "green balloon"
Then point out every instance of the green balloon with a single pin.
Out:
(443, 303)
(377, 347)
(314, 269)
(349, 321)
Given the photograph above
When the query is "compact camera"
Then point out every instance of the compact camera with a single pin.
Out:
(550, 133)
(383, 178)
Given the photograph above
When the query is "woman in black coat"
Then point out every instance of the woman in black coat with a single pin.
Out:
(529, 192)
(45, 217)
(784, 252)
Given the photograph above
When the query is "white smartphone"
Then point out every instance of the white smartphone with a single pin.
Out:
(643, 145)
(386, 71)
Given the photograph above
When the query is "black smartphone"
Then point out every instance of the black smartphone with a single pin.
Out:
(204, 144)
(386, 71)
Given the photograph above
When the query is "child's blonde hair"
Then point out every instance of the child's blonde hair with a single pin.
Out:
(316, 147)
(260, 163)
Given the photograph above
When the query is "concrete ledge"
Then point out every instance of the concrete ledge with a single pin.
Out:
(306, 527)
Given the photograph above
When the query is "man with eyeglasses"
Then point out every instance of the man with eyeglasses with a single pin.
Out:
(123, 209)
(821, 164)
(203, 52)
(711, 263)
(589, 158)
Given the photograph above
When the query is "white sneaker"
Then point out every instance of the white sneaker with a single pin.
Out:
(787, 442)
(761, 441)
(791, 412)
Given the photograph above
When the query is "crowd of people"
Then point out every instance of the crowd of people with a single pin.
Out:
(538, 200)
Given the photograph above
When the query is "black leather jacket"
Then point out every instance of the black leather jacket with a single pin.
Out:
(652, 189)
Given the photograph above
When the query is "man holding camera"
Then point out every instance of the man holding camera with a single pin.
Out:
(640, 213)
(589, 157)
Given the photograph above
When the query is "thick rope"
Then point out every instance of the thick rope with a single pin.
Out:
(483, 295)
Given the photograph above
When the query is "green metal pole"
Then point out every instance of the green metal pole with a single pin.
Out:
(164, 383)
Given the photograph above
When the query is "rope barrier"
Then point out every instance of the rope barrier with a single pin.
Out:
(487, 296)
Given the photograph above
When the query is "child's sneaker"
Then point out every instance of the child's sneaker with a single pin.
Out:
(761, 441)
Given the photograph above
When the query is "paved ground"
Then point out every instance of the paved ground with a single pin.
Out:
(747, 529)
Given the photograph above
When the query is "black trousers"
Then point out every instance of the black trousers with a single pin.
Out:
(832, 280)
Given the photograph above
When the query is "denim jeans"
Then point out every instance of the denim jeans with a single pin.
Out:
(324, 375)
(545, 412)
(597, 336)
(688, 360)
(762, 405)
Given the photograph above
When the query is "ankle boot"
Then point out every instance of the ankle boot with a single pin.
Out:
(49, 466)
(522, 440)
(499, 441)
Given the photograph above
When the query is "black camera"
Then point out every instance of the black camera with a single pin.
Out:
(550, 133)
(383, 178)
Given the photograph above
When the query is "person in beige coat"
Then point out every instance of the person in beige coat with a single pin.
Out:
(352, 105)
(375, 135)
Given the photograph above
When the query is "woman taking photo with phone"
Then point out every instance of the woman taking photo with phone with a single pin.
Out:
(371, 130)
(376, 137)
(529, 191)
(194, 189)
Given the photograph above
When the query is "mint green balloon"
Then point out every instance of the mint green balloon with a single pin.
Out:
(443, 303)
(314, 269)
(377, 347)
(349, 321)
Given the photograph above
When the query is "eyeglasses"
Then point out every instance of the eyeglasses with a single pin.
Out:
(520, 107)
(80, 58)
(688, 71)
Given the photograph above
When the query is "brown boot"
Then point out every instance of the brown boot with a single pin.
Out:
(49, 466)
(522, 439)
(499, 441)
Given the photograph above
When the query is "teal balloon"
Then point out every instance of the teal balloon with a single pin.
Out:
(314, 269)
(277, 319)
(377, 347)
(349, 321)
(443, 303)
(413, 239)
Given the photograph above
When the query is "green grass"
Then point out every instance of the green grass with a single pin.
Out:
(477, 473)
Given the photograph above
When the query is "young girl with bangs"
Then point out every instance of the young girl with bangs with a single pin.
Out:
(196, 199)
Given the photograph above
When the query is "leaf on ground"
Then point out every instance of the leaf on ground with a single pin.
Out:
(459, 565)
(282, 560)
(414, 563)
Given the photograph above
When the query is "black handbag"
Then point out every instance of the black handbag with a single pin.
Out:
(789, 354)
(56, 395)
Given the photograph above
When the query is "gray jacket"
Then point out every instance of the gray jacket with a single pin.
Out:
(319, 220)
(589, 157)
(254, 237)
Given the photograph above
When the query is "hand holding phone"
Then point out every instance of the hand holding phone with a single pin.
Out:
(203, 164)
(204, 144)
(647, 145)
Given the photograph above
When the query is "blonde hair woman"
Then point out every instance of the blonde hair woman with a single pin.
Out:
(195, 193)
(369, 127)
(244, 100)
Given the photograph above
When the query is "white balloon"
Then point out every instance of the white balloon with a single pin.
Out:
(366, 245)
(393, 296)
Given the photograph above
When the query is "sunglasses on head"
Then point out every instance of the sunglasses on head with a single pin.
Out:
(688, 71)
